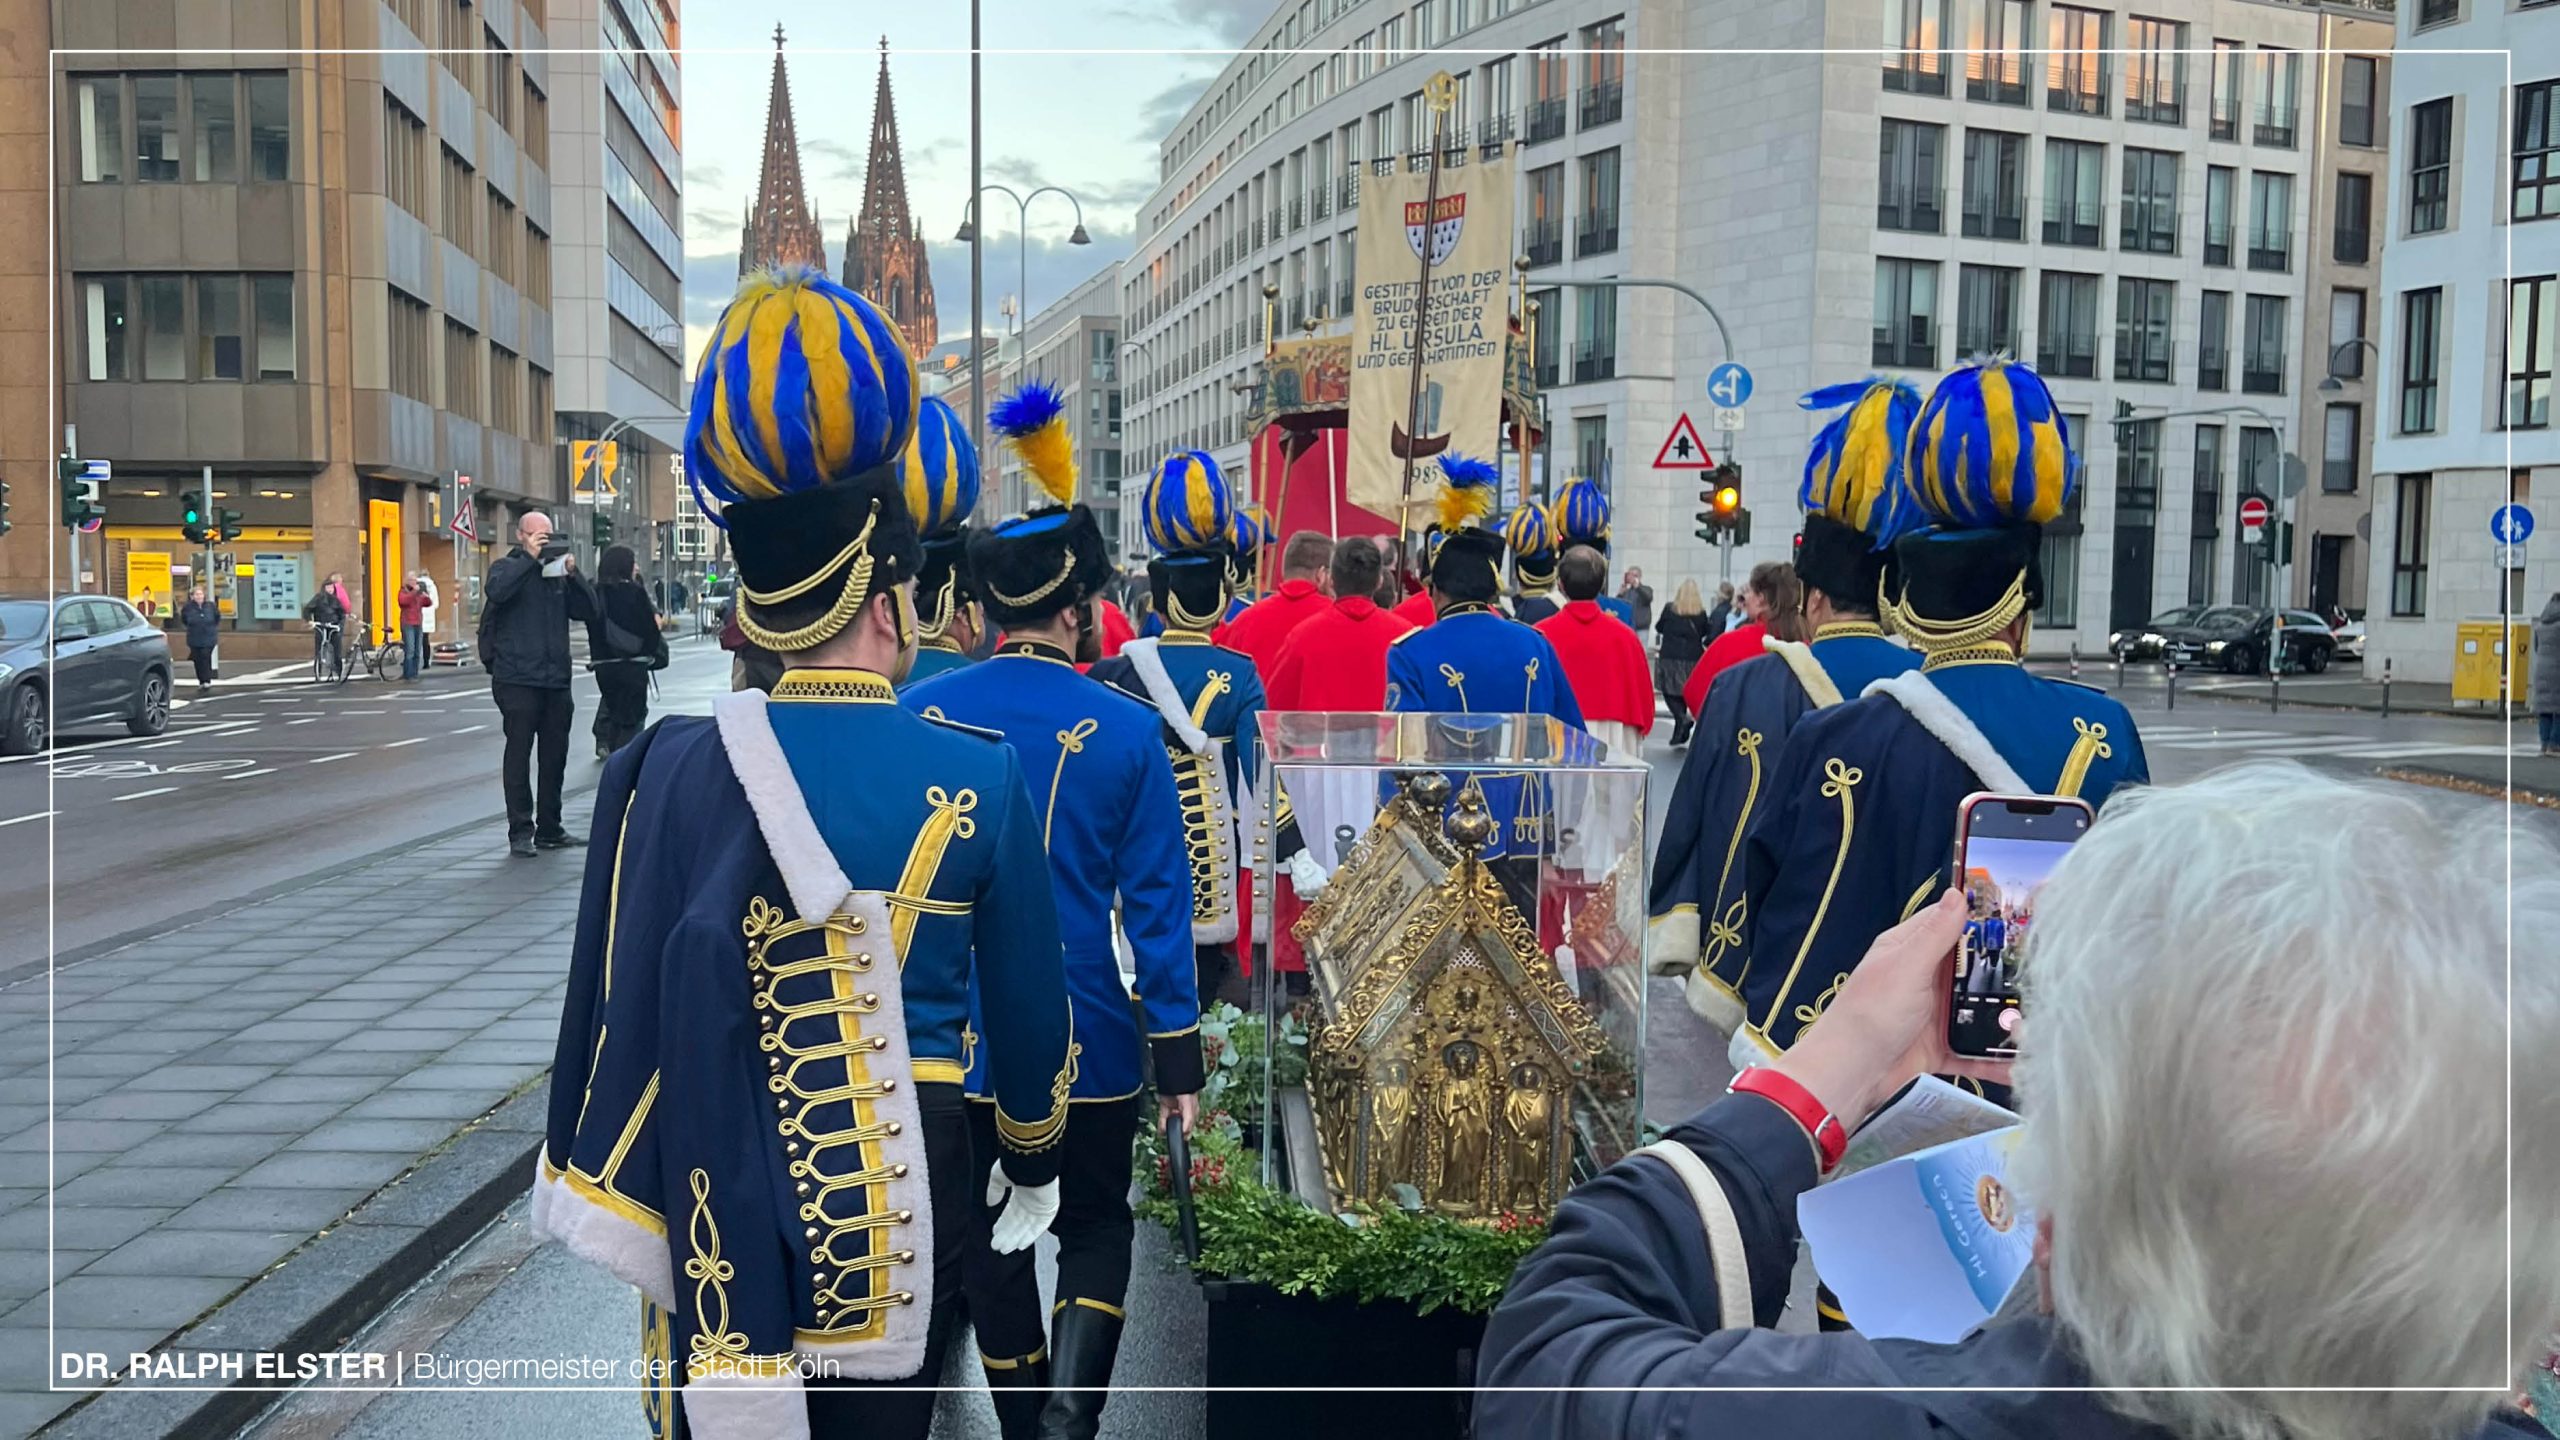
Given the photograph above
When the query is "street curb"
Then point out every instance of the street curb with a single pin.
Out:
(2434, 778)
(323, 1293)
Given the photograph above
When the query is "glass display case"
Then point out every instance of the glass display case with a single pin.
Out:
(1455, 922)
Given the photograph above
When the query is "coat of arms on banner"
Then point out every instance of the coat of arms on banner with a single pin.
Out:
(1441, 220)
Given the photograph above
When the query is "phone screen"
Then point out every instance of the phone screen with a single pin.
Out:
(2009, 848)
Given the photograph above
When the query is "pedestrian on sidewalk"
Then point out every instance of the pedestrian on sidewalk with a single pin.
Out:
(413, 629)
(2546, 674)
(202, 620)
(427, 620)
(1720, 618)
(1771, 603)
(1639, 600)
(623, 649)
(1681, 637)
(534, 591)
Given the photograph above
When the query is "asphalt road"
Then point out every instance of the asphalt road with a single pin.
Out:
(261, 785)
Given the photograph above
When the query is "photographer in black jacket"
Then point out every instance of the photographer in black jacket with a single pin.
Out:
(532, 594)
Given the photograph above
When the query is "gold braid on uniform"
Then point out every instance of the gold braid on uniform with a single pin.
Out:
(1181, 619)
(857, 588)
(1066, 569)
(1933, 635)
(947, 605)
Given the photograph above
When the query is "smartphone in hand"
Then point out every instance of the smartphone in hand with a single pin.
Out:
(2006, 848)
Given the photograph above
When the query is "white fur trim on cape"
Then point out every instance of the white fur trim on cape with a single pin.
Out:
(1939, 716)
(1145, 658)
(619, 1246)
(1747, 1047)
(747, 1407)
(1809, 672)
(1712, 1003)
(809, 869)
(1671, 942)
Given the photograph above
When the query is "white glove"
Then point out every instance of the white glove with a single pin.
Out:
(1026, 1218)
(1307, 875)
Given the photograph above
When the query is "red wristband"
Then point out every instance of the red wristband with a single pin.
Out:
(1830, 1138)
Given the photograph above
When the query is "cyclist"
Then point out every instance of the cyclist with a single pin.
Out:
(327, 612)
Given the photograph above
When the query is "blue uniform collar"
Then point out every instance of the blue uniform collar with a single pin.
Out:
(1987, 653)
(1035, 650)
(1841, 629)
(834, 684)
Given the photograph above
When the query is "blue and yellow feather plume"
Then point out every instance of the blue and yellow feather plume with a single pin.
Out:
(1990, 448)
(940, 468)
(1581, 513)
(1252, 529)
(1033, 420)
(1529, 532)
(1853, 474)
(1187, 505)
(804, 383)
(1467, 491)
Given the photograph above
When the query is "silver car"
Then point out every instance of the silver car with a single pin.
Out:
(77, 661)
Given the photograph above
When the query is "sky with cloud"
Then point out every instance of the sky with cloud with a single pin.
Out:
(1089, 122)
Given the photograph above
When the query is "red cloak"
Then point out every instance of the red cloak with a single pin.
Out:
(1267, 624)
(1336, 660)
(1604, 662)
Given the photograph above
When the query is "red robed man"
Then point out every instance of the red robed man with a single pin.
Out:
(1267, 624)
(1604, 661)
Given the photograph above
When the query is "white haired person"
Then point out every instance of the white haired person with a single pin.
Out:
(2286, 1185)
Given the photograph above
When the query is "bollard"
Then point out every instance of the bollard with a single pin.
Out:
(2075, 662)
(2386, 687)
(2275, 674)
(2173, 667)
(2119, 669)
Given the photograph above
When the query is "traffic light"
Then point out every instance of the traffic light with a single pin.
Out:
(4, 507)
(77, 507)
(191, 520)
(227, 528)
(1723, 515)
(600, 528)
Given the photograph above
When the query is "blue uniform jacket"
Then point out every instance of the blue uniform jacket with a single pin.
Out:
(1476, 661)
(1198, 668)
(932, 660)
(762, 979)
(1220, 695)
(1697, 901)
(1858, 827)
(1112, 822)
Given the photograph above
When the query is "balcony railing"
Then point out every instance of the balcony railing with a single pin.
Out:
(1918, 209)
(1320, 201)
(2272, 253)
(2142, 357)
(2257, 378)
(2275, 125)
(2073, 355)
(1986, 340)
(2073, 222)
(1917, 72)
(2149, 229)
(1990, 221)
(1603, 103)
(1998, 76)
(2073, 93)
(1347, 189)
(2163, 102)
(1342, 297)
(1497, 131)
(1547, 373)
(2217, 243)
(1297, 213)
(2224, 123)
(1545, 120)
(1594, 363)
(1598, 235)
(1911, 341)
(1543, 242)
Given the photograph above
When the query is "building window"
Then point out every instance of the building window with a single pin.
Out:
(1986, 310)
(98, 123)
(2143, 308)
(1915, 36)
(1604, 72)
(2359, 82)
(1544, 343)
(2076, 67)
(2059, 559)
(2346, 334)
(1591, 445)
(459, 194)
(2204, 517)
(2279, 96)
(1911, 193)
(2537, 154)
(500, 252)
(1599, 232)
(2430, 164)
(1995, 191)
(2438, 12)
(2270, 221)
(2224, 113)
(404, 158)
(1906, 329)
(506, 390)
(2345, 430)
(1544, 244)
(162, 300)
(537, 266)
(1547, 85)
(498, 81)
(1995, 58)
(2218, 222)
(2421, 312)
(1595, 349)
(411, 331)
(2138, 468)
(2531, 317)
(155, 127)
(2261, 474)
(2213, 341)
(2353, 241)
(271, 309)
(2155, 75)
(2149, 215)
(270, 128)
(537, 129)
(213, 118)
(462, 372)
(2262, 346)
(2409, 545)
(2067, 325)
(537, 406)
(103, 327)
(2074, 181)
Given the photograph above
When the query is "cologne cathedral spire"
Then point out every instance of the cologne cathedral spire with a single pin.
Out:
(884, 255)
(780, 229)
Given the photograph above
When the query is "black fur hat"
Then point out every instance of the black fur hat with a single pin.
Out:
(1841, 561)
(1191, 585)
(1033, 566)
(944, 584)
(1468, 565)
(819, 543)
(1948, 576)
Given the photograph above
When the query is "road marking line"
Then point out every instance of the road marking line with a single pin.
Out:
(413, 710)
(305, 720)
(343, 755)
(412, 740)
(363, 712)
(467, 729)
(145, 794)
(156, 745)
(251, 774)
(23, 819)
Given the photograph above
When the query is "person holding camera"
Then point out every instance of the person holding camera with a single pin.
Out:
(533, 592)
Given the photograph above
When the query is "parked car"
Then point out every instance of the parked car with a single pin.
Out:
(2234, 638)
(2350, 632)
(77, 661)
(2143, 641)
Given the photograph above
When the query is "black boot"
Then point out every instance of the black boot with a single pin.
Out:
(1018, 1387)
(1082, 1344)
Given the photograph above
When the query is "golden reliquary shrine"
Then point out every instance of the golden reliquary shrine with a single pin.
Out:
(1473, 963)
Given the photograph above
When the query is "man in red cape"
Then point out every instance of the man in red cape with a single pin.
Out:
(1267, 624)
(1603, 660)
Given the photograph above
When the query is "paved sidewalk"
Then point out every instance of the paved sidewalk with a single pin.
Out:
(225, 1091)
(2334, 690)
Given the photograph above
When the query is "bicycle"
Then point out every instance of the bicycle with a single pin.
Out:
(328, 658)
(384, 661)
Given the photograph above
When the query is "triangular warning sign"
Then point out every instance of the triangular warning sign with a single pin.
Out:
(1683, 450)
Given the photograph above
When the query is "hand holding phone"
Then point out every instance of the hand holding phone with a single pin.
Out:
(2006, 848)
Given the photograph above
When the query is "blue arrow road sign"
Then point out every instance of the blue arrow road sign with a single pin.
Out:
(97, 469)
(2510, 524)
(1729, 385)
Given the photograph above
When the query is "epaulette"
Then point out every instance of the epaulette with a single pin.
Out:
(1409, 634)
(935, 715)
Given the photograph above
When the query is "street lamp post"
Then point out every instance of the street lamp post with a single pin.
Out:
(2331, 383)
(969, 235)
